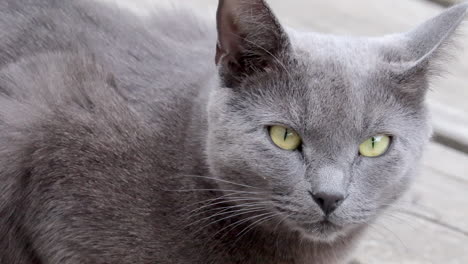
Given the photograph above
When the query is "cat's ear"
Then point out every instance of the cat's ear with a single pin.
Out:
(423, 49)
(250, 39)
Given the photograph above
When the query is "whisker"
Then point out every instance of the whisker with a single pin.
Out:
(212, 190)
(236, 199)
(229, 216)
(282, 220)
(408, 205)
(210, 200)
(282, 201)
(220, 180)
(198, 212)
(254, 224)
(377, 231)
(401, 220)
(395, 236)
(435, 221)
(224, 213)
(235, 224)
(238, 223)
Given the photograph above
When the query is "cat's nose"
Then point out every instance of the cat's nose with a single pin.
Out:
(328, 202)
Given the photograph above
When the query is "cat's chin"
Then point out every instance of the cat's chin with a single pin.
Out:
(325, 232)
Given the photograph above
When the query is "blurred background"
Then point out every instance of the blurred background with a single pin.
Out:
(431, 224)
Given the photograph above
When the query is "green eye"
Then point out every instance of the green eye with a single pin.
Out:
(375, 146)
(285, 138)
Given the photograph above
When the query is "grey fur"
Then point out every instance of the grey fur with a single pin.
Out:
(119, 145)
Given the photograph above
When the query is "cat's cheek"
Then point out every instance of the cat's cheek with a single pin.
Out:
(382, 171)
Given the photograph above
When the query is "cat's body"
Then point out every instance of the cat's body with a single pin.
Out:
(108, 126)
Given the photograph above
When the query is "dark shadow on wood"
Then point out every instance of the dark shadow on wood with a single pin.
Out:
(451, 142)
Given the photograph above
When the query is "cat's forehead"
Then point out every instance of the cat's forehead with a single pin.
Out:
(330, 85)
(338, 55)
(344, 83)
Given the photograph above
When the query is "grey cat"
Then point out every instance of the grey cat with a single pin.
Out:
(144, 140)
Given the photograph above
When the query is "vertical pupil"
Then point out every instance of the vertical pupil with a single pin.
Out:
(285, 134)
(373, 142)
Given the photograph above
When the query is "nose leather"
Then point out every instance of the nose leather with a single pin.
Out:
(328, 202)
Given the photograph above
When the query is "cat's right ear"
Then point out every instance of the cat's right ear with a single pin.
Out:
(250, 40)
(421, 52)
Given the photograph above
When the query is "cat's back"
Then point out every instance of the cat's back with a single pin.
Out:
(78, 82)
(64, 59)
(150, 57)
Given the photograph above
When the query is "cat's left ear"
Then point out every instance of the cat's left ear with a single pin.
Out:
(250, 39)
(421, 50)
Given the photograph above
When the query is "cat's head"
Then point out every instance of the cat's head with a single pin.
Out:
(323, 132)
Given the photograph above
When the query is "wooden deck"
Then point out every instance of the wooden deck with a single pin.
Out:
(431, 224)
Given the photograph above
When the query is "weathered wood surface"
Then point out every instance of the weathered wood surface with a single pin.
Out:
(431, 224)
(447, 2)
